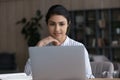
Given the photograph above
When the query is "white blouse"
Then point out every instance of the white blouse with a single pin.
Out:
(67, 42)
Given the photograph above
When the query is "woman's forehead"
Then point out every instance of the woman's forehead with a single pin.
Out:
(56, 18)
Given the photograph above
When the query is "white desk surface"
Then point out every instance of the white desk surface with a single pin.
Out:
(15, 76)
(23, 76)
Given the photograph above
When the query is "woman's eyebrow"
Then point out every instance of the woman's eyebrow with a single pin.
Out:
(57, 22)
(54, 20)
(51, 21)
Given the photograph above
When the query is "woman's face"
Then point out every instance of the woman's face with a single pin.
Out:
(57, 25)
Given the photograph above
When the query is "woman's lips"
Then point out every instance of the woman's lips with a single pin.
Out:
(57, 34)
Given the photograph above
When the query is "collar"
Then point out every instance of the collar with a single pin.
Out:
(63, 44)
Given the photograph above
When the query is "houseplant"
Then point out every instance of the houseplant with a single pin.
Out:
(31, 28)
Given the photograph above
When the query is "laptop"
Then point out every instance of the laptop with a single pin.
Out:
(58, 63)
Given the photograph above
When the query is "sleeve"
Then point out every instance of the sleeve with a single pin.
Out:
(27, 69)
(87, 65)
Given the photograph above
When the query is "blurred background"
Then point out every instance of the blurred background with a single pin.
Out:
(95, 23)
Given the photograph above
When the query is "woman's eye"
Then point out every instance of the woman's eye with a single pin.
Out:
(61, 24)
(51, 24)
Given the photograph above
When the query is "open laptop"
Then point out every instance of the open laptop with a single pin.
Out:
(58, 63)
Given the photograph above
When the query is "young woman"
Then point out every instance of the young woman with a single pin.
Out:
(58, 21)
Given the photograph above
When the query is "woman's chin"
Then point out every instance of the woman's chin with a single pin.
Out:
(60, 38)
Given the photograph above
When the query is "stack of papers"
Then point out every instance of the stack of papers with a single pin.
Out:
(15, 76)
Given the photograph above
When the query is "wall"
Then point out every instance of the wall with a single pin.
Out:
(11, 11)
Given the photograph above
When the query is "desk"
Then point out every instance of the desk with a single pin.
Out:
(105, 79)
(23, 76)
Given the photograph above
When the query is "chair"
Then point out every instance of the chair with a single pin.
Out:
(116, 69)
(98, 58)
(102, 69)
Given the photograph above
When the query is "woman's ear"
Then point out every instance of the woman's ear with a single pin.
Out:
(68, 28)
(69, 22)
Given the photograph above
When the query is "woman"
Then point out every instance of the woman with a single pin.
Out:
(58, 21)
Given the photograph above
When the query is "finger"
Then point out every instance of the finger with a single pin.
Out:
(56, 43)
(47, 40)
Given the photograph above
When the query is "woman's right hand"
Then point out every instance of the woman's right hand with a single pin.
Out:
(48, 40)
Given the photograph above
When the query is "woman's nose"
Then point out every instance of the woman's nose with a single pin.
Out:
(57, 28)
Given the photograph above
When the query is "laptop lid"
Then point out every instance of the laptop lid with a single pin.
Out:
(58, 63)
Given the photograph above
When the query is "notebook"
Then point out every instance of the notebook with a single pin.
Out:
(58, 63)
